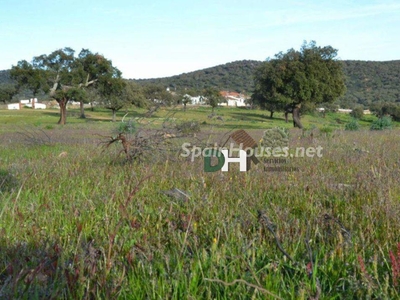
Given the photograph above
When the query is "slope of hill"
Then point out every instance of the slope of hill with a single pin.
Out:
(366, 81)
(234, 76)
(5, 77)
(371, 81)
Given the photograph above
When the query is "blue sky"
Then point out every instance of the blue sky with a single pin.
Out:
(154, 38)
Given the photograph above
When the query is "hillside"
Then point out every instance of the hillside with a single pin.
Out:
(366, 81)
(371, 81)
(5, 77)
(234, 76)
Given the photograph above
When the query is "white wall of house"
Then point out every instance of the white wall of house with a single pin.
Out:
(233, 101)
(37, 105)
(13, 106)
(28, 103)
(198, 100)
(344, 110)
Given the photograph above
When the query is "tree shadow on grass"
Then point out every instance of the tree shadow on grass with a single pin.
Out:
(8, 183)
(246, 116)
(43, 270)
(91, 117)
(29, 271)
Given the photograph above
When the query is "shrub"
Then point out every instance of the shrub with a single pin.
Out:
(352, 125)
(308, 109)
(188, 127)
(126, 127)
(275, 137)
(357, 112)
(330, 107)
(326, 129)
(382, 123)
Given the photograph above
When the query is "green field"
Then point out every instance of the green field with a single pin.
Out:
(78, 221)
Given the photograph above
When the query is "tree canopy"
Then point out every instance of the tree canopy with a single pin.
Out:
(63, 75)
(113, 94)
(295, 77)
(7, 91)
(213, 97)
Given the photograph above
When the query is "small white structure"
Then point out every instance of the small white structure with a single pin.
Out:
(198, 100)
(13, 106)
(233, 99)
(33, 103)
(344, 110)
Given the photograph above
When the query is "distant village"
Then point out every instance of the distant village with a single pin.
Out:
(232, 99)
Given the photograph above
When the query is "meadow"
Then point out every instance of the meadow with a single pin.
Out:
(79, 221)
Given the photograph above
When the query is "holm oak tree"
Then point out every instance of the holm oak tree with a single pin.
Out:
(290, 79)
(64, 76)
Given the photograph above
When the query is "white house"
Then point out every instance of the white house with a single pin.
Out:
(13, 106)
(198, 100)
(233, 99)
(344, 110)
(33, 102)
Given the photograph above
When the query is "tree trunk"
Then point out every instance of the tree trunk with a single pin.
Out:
(63, 111)
(91, 106)
(184, 107)
(296, 117)
(113, 115)
(271, 115)
(286, 116)
(82, 110)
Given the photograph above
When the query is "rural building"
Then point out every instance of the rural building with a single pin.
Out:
(33, 103)
(344, 110)
(198, 100)
(233, 99)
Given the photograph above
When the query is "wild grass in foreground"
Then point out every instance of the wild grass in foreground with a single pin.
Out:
(77, 223)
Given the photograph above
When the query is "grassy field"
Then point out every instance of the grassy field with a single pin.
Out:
(78, 221)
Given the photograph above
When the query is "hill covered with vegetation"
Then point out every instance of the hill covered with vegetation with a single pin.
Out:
(234, 76)
(5, 77)
(366, 81)
(371, 81)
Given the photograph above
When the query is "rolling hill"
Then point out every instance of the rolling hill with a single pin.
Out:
(366, 81)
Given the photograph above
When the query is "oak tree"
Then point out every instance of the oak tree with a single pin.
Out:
(213, 97)
(296, 77)
(64, 76)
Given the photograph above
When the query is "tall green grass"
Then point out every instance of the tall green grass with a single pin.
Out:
(77, 222)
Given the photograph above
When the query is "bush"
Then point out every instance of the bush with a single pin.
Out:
(326, 130)
(352, 125)
(308, 108)
(188, 127)
(330, 107)
(382, 123)
(275, 137)
(357, 112)
(126, 127)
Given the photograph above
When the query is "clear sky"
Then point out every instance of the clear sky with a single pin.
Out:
(158, 38)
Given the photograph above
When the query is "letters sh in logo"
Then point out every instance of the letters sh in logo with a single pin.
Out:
(224, 160)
